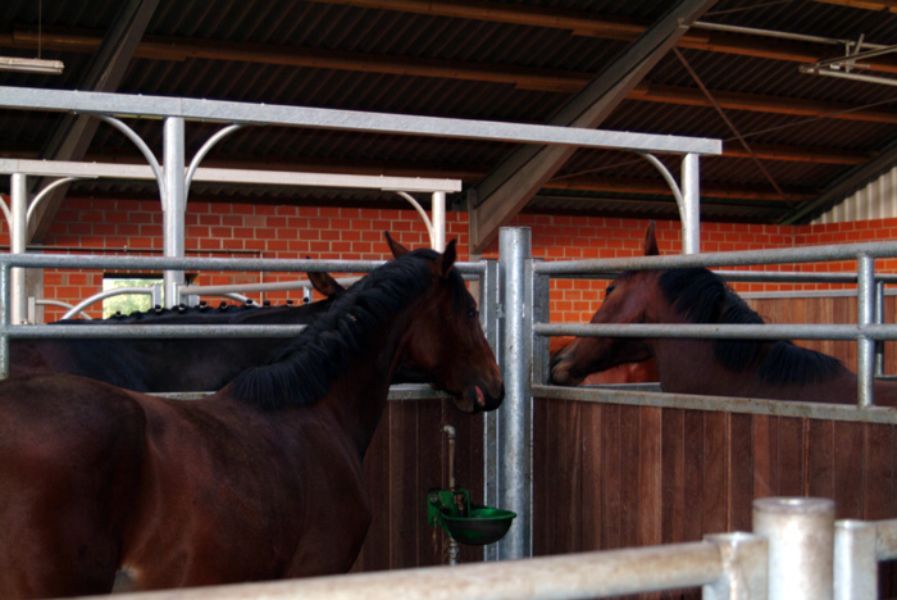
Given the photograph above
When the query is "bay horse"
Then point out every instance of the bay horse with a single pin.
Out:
(262, 480)
(145, 364)
(774, 369)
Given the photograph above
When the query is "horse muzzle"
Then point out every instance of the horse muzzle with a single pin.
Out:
(483, 397)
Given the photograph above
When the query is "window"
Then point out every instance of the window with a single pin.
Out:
(128, 303)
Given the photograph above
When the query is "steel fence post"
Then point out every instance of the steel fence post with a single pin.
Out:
(856, 565)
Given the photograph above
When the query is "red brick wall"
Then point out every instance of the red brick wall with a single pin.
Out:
(246, 230)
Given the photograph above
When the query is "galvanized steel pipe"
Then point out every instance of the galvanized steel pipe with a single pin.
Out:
(583, 575)
(800, 536)
(515, 430)
(175, 206)
(856, 566)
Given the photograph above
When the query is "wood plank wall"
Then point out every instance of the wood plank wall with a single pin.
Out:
(408, 457)
(610, 476)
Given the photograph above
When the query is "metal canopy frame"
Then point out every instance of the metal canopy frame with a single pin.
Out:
(21, 211)
(174, 113)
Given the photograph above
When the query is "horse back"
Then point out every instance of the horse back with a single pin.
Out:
(72, 449)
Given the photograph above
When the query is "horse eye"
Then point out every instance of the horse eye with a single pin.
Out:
(609, 289)
(472, 313)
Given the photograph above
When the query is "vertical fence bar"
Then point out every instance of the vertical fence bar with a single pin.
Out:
(800, 534)
(515, 418)
(537, 298)
(856, 565)
(691, 204)
(174, 205)
(490, 310)
(879, 320)
(18, 235)
(4, 320)
(865, 316)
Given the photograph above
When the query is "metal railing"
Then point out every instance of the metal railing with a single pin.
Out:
(794, 553)
(524, 350)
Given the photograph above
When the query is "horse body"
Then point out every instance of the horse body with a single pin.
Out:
(774, 369)
(145, 364)
(260, 481)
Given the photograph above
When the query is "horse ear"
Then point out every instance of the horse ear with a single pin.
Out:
(651, 241)
(396, 248)
(448, 257)
(326, 284)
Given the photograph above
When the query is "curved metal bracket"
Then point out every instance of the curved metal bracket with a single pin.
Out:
(4, 207)
(44, 193)
(144, 149)
(667, 176)
(423, 214)
(201, 153)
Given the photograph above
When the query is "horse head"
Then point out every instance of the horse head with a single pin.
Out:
(629, 299)
(445, 340)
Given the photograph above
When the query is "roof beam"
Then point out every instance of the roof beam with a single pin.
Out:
(845, 185)
(507, 189)
(72, 138)
(607, 28)
(176, 49)
(876, 5)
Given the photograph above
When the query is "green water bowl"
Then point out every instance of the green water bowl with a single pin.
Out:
(482, 525)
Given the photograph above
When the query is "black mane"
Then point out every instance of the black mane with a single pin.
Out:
(702, 297)
(303, 372)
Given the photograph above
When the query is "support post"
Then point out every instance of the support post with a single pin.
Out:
(856, 564)
(515, 419)
(691, 204)
(879, 320)
(437, 211)
(18, 236)
(800, 534)
(174, 205)
(865, 317)
(490, 315)
(4, 321)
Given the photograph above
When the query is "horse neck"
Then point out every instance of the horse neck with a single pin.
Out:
(690, 366)
(357, 400)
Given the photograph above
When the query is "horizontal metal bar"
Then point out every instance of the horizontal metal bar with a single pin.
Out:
(581, 575)
(347, 120)
(271, 286)
(886, 539)
(398, 392)
(94, 329)
(755, 406)
(54, 168)
(90, 261)
(740, 258)
(713, 331)
(850, 293)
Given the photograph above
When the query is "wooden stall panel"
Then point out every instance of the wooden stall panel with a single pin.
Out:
(407, 458)
(652, 475)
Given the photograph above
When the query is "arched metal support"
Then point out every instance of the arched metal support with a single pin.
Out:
(687, 198)
(436, 226)
(44, 193)
(201, 153)
(152, 292)
(144, 149)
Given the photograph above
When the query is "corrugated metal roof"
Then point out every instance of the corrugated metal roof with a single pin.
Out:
(366, 39)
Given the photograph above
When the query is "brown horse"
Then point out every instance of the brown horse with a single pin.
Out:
(259, 481)
(203, 363)
(742, 368)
